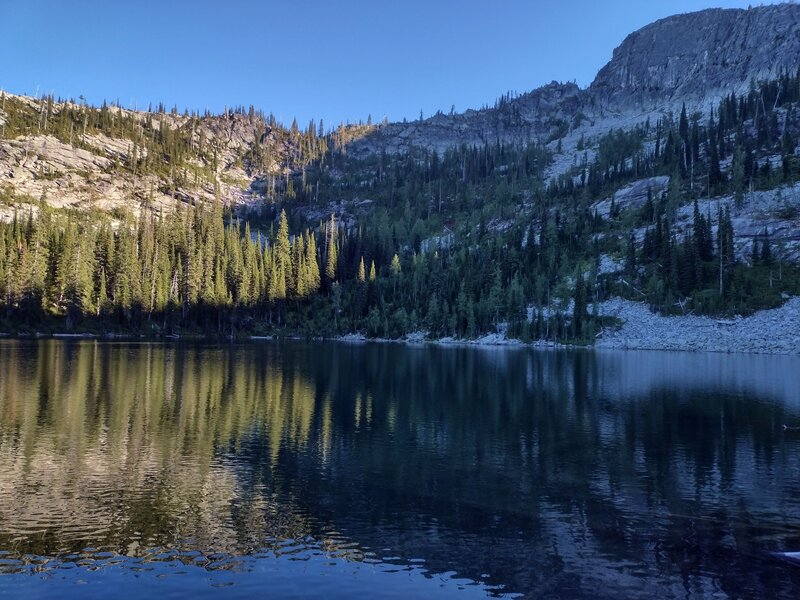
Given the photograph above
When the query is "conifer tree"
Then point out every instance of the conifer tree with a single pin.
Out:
(330, 265)
(738, 176)
(282, 259)
(766, 249)
(495, 297)
(755, 255)
(630, 257)
(579, 314)
(3, 265)
(102, 294)
(311, 264)
(300, 274)
(362, 276)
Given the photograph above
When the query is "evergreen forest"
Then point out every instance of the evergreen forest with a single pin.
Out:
(463, 242)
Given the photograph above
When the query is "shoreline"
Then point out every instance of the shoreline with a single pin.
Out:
(767, 332)
(415, 339)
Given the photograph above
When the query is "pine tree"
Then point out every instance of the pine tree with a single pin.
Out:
(630, 257)
(362, 276)
(683, 125)
(515, 305)
(3, 266)
(330, 265)
(579, 314)
(766, 249)
(495, 297)
(221, 294)
(311, 264)
(282, 260)
(395, 266)
(64, 279)
(725, 248)
(432, 314)
(714, 173)
(300, 274)
(193, 261)
(102, 294)
(207, 289)
(34, 261)
(471, 323)
(738, 176)
(372, 274)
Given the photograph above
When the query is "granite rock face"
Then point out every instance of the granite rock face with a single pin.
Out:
(39, 165)
(688, 57)
(632, 196)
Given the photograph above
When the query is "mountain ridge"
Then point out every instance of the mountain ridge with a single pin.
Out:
(250, 155)
(629, 85)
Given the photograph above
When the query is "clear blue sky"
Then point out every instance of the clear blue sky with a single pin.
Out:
(334, 59)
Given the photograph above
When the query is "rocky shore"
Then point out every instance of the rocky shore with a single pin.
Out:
(775, 331)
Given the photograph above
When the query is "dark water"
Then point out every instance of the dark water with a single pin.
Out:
(322, 470)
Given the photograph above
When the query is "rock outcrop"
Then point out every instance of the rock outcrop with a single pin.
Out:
(632, 196)
(774, 214)
(85, 170)
(691, 57)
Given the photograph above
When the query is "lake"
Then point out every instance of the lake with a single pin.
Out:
(305, 470)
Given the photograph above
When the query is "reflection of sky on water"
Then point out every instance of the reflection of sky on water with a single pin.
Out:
(635, 374)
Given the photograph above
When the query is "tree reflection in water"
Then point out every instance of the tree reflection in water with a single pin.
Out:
(549, 473)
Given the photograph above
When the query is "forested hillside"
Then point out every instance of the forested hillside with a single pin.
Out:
(235, 224)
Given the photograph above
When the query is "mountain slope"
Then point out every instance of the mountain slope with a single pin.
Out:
(523, 218)
(239, 158)
(79, 156)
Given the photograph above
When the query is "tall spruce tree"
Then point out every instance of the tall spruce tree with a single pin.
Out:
(282, 259)
(362, 275)
(332, 259)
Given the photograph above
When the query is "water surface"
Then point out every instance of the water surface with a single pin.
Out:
(299, 470)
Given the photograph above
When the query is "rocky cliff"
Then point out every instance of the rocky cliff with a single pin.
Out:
(692, 57)
(83, 157)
